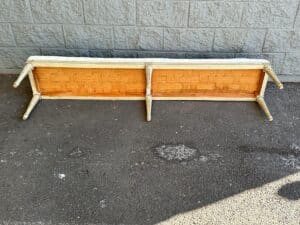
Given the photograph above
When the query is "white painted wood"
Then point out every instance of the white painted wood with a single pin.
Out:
(268, 69)
(149, 107)
(187, 66)
(144, 61)
(33, 83)
(204, 99)
(143, 98)
(35, 99)
(157, 63)
(264, 84)
(264, 107)
(149, 71)
(112, 98)
(28, 67)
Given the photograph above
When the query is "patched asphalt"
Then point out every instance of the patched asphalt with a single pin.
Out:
(100, 162)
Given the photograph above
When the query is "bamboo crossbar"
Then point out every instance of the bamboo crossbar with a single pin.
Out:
(147, 79)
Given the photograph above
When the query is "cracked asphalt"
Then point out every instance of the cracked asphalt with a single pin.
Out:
(99, 162)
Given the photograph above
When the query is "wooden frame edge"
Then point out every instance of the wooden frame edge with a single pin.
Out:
(183, 66)
(153, 98)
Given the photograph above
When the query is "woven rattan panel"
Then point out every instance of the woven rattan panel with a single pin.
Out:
(210, 83)
(132, 82)
(90, 82)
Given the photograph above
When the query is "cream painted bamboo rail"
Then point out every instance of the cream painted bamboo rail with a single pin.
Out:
(147, 79)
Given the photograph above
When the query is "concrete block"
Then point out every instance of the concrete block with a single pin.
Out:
(14, 58)
(101, 53)
(125, 54)
(163, 13)
(65, 52)
(276, 59)
(188, 39)
(110, 12)
(282, 41)
(29, 35)
(57, 11)
(297, 20)
(15, 11)
(270, 14)
(160, 54)
(91, 37)
(215, 14)
(291, 64)
(6, 37)
(138, 38)
(209, 55)
(239, 40)
(147, 54)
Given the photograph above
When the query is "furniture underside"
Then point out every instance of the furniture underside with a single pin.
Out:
(132, 82)
(122, 79)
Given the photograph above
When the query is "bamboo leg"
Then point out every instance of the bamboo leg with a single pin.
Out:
(260, 100)
(149, 107)
(35, 99)
(148, 92)
(268, 69)
(28, 68)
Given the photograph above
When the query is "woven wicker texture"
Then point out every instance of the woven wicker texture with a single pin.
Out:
(90, 82)
(198, 83)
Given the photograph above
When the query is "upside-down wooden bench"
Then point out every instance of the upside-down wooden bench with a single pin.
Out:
(54, 77)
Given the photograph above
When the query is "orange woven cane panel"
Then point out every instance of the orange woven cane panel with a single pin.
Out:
(132, 82)
(206, 83)
(90, 82)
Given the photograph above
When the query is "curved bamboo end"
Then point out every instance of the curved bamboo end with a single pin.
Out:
(148, 107)
(268, 69)
(260, 100)
(35, 99)
(15, 85)
(280, 86)
(22, 75)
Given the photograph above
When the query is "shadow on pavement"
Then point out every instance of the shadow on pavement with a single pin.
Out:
(290, 191)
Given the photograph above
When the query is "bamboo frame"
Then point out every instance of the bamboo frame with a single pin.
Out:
(28, 68)
(148, 91)
(264, 107)
(268, 69)
(149, 65)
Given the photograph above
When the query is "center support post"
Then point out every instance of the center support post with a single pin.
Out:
(148, 96)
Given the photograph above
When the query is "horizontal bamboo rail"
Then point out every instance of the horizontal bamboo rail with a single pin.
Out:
(147, 79)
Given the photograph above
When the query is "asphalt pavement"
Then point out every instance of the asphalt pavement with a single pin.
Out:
(100, 162)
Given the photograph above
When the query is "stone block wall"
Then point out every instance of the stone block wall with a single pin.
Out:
(152, 28)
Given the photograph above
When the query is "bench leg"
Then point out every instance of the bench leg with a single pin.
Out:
(149, 107)
(261, 101)
(28, 68)
(35, 99)
(148, 91)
